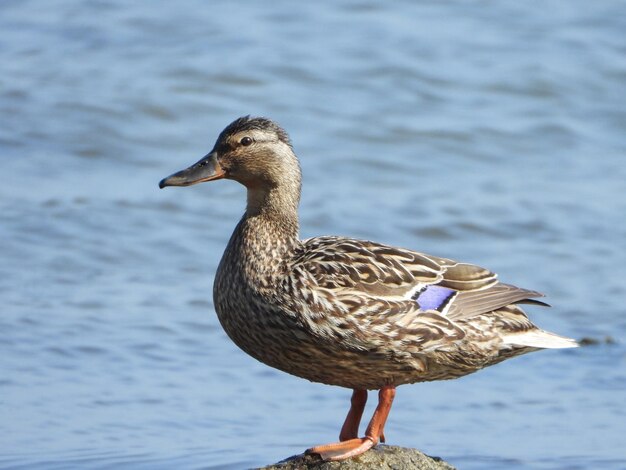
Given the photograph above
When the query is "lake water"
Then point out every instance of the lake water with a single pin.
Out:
(491, 132)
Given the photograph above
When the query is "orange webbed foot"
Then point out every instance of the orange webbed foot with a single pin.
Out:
(344, 449)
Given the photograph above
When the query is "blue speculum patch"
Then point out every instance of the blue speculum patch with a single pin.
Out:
(434, 297)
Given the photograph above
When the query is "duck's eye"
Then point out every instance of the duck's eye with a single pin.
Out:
(245, 141)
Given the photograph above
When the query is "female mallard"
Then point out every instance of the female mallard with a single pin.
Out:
(348, 312)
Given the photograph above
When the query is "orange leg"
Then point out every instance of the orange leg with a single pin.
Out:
(350, 428)
(353, 447)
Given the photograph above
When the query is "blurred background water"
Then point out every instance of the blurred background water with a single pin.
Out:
(491, 132)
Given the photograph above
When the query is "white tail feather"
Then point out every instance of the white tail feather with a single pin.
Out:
(539, 339)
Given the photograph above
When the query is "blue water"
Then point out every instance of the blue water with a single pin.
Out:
(491, 132)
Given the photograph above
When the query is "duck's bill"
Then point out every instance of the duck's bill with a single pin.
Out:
(206, 169)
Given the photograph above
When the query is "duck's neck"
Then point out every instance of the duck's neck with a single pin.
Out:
(267, 235)
(273, 202)
(275, 208)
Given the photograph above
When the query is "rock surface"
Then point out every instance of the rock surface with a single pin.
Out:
(380, 457)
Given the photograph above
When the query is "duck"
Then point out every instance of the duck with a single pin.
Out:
(344, 311)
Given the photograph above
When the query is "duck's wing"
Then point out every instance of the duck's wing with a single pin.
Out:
(368, 272)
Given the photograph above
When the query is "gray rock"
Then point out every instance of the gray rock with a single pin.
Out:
(380, 457)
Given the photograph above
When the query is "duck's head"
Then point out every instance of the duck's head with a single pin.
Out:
(256, 152)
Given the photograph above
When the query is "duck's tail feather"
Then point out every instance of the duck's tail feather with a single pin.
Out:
(539, 339)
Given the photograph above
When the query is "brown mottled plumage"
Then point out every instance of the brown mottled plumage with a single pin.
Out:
(348, 312)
